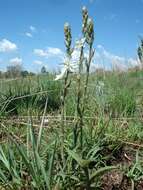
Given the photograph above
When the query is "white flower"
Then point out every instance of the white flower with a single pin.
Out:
(71, 63)
(80, 43)
(69, 66)
(75, 57)
(61, 75)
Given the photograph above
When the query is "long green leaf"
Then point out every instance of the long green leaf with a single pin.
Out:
(101, 171)
(82, 162)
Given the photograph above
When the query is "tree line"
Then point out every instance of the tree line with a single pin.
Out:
(15, 71)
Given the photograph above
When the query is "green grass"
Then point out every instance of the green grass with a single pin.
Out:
(23, 165)
(34, 92)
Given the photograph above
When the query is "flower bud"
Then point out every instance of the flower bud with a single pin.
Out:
(66, 27)
(68, 37)
(84, 19)
(84, 10)
(90, 31)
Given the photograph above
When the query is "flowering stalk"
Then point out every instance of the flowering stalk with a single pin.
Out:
(88, 63)
(69, 66)
(88, 33)
(78, 100)
(79, 122)
(68, 38)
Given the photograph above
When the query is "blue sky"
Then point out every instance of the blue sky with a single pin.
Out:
(31, 31)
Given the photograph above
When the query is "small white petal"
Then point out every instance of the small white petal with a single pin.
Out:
(61, 75)
(80, 43)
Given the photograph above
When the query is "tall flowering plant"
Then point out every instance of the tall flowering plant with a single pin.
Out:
(80, 65)
(67, 68)
(84, 62)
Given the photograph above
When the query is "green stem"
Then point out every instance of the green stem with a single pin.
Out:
(63, 114)
(78, 125)
(87, 179)
(85, 94)
(87, 77)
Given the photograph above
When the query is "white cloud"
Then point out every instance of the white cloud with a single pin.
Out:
(40, 52)
(99, 46)
(37, 62)
(106, 59)
(49, 52)
(16, 61)
(54, 51)
(28, 34)
(7, 46)
(102, 58)
(94, 67)
(32, 28)
(133, 62)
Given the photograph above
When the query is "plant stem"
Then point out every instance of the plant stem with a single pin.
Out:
(87, 179)
(91, 53)
(63, 114)
(78, 101)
